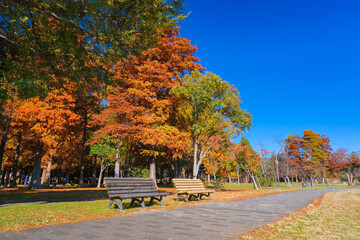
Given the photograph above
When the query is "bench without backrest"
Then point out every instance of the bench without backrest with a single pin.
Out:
(135, 188)
(191, 187)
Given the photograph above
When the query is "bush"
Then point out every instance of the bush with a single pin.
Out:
(218, 184)
(140, 173)
(267, 182)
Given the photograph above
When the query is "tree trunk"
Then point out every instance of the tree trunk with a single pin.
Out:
(6, 177)
(208, 179)
(82, 166)
(277, 171)
(4, 138)
(35, 178)
(237, 175)
(176, 174)
(277, 167)
(254, 182)
(16, 160)
(94, 171)
(229, 177)
(47, 179)
(3, 178)
(312, 181)
(161, 173)
(197, 163)
(58, 176)
(117, 162)
(153, 170)
(212, 167)
(3, 143)
(246, 178)
(102, 168)
(195, 169)
(43, 175)
(289, 182)
(349, 177)
(257, 179)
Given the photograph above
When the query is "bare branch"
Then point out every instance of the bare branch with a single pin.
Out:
(16, 43)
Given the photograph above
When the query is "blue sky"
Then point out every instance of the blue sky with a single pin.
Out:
(295, 63)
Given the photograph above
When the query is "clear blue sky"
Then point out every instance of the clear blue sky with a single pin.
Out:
(295, 63)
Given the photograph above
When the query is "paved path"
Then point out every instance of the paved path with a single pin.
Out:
(216, 220)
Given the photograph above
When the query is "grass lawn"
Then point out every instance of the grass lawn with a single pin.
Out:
(335, 216)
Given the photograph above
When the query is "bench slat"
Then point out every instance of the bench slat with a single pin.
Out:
(139, 195)
(127, 179)
(132, 191)
(130, 185)
(129, 188)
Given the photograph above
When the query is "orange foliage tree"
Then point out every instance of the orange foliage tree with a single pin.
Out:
(309, 154)
(248, 160)
(141, 106)
(48, 123)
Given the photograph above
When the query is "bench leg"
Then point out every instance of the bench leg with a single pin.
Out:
(209, 197)
(118, 203)
(199, 197)
(110, 203)
(187, 198)
(121, 205)
(161, 201)
(142, 203)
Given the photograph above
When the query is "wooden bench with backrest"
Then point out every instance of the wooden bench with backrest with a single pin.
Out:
(135, 188)
(191, 187)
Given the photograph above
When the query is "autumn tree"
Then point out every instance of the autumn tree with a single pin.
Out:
(214, 107)
(348, 163)
(141, 107)
(291, 154)
(6, 118)
(47, 122)
(314, 152)
(248, 160)
(39, 39)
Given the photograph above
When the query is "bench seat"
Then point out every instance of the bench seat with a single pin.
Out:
(191, 188)
(136, 189)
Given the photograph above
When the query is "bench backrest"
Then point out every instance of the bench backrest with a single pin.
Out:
(119, 186)
(184, 184)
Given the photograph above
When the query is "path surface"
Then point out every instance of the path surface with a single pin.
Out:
(215, 220)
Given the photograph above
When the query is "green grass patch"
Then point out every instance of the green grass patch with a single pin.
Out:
(22, 216)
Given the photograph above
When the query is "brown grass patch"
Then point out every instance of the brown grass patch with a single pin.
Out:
(336, 215)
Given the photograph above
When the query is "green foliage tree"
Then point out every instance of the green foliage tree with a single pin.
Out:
(213, 110)
(105, 152)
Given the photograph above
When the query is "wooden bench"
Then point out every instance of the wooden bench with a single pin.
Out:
(191, 187)
(135, 188)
